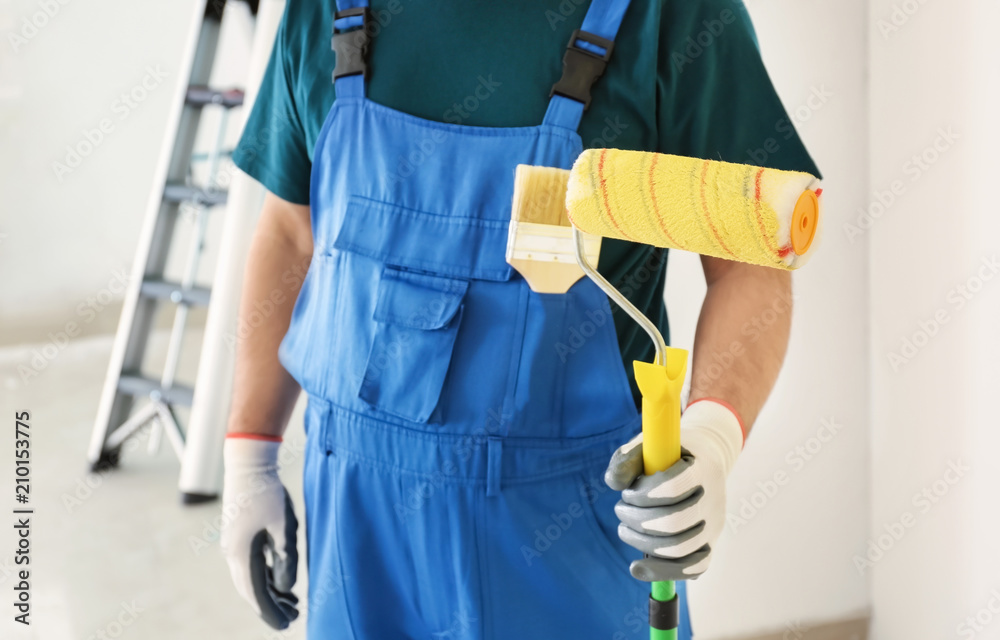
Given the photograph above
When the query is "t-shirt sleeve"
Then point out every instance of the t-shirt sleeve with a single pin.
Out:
(716, 99)
(273, 148)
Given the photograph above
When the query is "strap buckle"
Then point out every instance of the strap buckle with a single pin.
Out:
(582, 67)
(351, 44)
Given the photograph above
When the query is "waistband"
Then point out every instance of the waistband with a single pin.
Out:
(474, 459)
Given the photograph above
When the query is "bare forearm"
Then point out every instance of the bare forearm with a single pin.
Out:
(742, 336)
(264, 394)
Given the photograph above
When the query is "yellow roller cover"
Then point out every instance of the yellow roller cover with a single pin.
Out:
(734, 211)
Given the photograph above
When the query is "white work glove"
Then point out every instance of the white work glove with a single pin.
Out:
(259, 526)
(675, 516)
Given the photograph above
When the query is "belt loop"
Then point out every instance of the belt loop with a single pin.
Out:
(494, 452)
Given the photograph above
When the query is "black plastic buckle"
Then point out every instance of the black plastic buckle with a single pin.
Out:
(351, 46)
(582, 68)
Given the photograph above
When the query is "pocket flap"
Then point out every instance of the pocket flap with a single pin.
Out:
(451, 245)
(417, 300)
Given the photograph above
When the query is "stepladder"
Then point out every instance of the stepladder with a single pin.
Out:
(187, 185)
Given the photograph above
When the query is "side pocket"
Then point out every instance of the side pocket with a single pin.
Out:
(417, 317)
(599, 507)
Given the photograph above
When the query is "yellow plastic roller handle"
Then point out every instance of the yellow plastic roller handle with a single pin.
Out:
(661, 447)
(661, 409)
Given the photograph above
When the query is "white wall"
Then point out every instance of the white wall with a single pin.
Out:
(66, 236)
(789, 566)
(939, 69)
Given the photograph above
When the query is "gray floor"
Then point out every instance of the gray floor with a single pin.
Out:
(846, 630)
(125, 544)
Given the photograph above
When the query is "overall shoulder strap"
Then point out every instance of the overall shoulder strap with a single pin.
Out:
(585, 60)
(352, 37)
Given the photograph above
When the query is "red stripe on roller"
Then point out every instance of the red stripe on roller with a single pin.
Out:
(760, 217)
(604, 194)
(656, 207)
(708, 214)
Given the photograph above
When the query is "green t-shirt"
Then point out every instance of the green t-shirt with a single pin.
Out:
(685, 78)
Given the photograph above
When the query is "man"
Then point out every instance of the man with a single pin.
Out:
(458, 424)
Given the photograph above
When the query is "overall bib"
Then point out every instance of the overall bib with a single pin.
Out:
(458, 424)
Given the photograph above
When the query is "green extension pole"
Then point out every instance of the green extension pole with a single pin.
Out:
(663, 612)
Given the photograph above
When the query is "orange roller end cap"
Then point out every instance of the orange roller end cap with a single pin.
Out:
(805, 220)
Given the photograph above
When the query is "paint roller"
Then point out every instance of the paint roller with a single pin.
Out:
(737, 212)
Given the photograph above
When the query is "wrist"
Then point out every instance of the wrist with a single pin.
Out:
(266, 437)
(718, 422)
(731, 409)
(243, 453)
(242, 424)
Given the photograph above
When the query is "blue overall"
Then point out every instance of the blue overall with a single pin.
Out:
(458, 424)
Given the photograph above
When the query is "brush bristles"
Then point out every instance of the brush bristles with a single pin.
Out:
(540, 195)
(540, 243)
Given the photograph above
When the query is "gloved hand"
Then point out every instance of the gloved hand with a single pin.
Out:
(675, 516)
(259, 525)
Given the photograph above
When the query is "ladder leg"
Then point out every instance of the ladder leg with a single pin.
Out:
(201, 469)
(133, 424)
(169, 423)
(176, 342)
(155, 437)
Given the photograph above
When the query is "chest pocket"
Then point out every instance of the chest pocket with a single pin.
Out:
(423, 265)
(417, 318)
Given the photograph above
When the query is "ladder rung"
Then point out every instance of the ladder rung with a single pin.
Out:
(196, 195)
(200, 96)
(202, 157)
(173, 291)
(139, 385)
